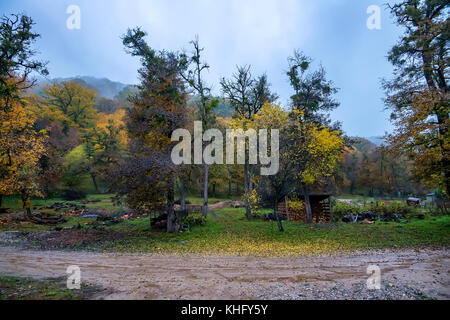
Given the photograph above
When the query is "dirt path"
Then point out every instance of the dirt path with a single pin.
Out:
(405, 274)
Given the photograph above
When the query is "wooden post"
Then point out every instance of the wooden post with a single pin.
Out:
(286, 203)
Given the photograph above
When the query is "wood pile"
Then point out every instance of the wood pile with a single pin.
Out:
(320, 213)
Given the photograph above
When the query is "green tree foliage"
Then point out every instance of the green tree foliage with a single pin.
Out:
(75, 167)
(313, 93)
(16, 56)
(102, 150)
(70, 104)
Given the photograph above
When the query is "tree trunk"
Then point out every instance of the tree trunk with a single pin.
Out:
(250, 180)
(172, 223)
(39, 220)
(229, 181)
(182, 194)
(307, 205)
(1, 200)
(277, 216)
(205, 190)
(94, 180)
(246, 192)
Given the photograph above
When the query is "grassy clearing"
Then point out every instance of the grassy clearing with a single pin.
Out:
(13, 288)
(232, 234)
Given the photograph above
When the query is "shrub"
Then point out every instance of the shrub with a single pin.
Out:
(73, 195)
(195, 219)
(341, 209)
(394, 208)
(381, 209)
(253, 200)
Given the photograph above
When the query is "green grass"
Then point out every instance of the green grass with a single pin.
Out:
(14, 203)
(232, 234)
(14, 288)
(211, 200)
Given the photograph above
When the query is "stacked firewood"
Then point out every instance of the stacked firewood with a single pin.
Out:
(299, 215)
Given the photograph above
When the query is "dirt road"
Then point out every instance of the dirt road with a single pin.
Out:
(405, 274)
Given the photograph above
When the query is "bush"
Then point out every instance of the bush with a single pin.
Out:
(395, 208)
(195, 219)
(341, 209)
(73, 195)
(254, 200)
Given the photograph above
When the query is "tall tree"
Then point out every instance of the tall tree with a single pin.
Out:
(247, 96)
(311, 103)
(20, 150)
(418, 95)
(193, 71)
(20, 145)
(158, 108)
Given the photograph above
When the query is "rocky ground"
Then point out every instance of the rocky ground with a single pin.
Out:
(405, 274)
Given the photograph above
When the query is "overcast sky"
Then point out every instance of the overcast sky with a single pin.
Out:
(262, 33)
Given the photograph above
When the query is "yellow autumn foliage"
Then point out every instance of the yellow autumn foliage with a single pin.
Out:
(20, 148)
(117, 120)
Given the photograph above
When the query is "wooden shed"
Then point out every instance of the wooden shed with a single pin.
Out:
(321, 207)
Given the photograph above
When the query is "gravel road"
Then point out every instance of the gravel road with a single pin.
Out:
(405, 274)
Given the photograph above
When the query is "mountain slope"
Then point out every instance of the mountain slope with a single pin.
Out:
(103, 86)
